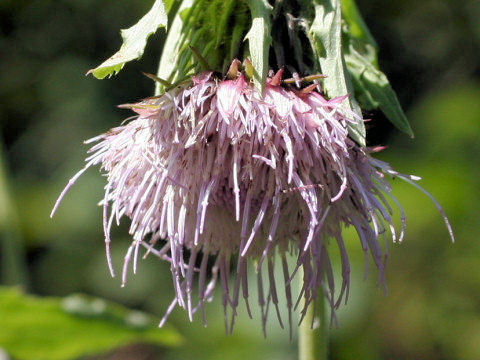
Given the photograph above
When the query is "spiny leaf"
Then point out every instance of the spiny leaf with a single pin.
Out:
(259, 40)
(134, 41)
(326, 35)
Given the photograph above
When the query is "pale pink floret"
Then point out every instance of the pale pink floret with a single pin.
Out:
(228, 94)
(216, 169)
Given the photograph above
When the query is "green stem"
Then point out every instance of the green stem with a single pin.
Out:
(13, 269)
(313, 342)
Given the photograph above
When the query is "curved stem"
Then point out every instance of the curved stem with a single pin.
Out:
(313, 341)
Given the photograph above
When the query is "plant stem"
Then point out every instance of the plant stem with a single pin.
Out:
(313, 342)
(13, 269)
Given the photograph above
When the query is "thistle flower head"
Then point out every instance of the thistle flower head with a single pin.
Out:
(215, 176)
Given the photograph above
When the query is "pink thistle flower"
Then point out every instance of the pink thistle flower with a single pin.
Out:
(214, 170)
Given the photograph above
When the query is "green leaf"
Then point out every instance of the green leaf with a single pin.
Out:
(62, 329)
(259, 40)
(237, 36)
(222, 15)
(193, 36)
(375, 86)
(371, 85)
(357, 27)
(169, 5)
(175, 41)
(134, 41)
(326, 36)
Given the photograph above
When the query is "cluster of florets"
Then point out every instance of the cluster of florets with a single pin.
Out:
(215, 175)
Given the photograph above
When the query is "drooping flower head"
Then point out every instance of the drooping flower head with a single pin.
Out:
(215, 176)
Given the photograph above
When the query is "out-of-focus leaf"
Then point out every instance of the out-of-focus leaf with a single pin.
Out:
(134, 41)
(371, 85)
(259, 40)
(61, 329)
(326, 35)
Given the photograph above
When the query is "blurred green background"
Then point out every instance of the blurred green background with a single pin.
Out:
(431, 52)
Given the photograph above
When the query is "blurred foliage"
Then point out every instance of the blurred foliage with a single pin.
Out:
(60, 329)
(430, 51)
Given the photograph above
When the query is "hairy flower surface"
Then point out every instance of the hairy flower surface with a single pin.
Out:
(222, 177)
